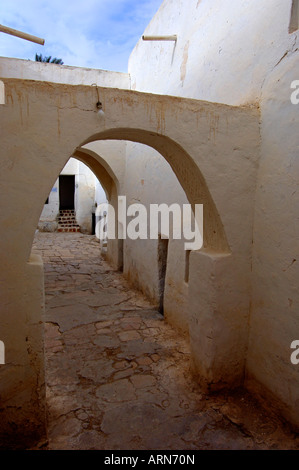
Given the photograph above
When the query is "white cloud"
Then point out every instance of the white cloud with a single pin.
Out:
(86, 33)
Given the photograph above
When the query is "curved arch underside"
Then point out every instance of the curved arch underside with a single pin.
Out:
(214, 151)
(52, 121)
(94, 163)
(187, 173)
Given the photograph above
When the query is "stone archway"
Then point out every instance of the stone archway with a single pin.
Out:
(210, 147)
(100, 168)
(110, 184)
(187, 173)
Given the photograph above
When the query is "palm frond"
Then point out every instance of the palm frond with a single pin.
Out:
(40, 58)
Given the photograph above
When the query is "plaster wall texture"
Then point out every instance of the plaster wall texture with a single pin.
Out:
(224, 50)
(239, 52)
(31, 70)
(161, 67)
(100, 196)
(85, 197)
(50, 210)
(22, 384)
(274, 320)
(71, 167)
(112, 156)
(154, 178)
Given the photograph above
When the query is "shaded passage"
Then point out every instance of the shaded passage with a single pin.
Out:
(118, 376)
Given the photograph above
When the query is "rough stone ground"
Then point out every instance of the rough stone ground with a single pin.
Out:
(118, 376)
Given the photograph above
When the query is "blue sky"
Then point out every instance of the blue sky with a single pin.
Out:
(86, 33)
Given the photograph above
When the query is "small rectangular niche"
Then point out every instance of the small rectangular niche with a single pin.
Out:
(162, 267)
(187, 261)
(294, 21)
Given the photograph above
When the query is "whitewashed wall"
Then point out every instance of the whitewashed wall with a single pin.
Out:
(224, 50)
(31, 70)
(48, 218)
(87, 191)
(241, 52)
(150, 180)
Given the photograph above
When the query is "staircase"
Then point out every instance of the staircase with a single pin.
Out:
(67, 221)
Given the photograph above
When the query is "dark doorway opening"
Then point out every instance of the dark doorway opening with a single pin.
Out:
(121, 255)
(67, 192)
(162, 265)
(187, 265)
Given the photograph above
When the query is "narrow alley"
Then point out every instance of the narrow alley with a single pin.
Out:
(118, 376)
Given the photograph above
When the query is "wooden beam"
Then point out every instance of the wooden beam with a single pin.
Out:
(20, 34)
(160, 38)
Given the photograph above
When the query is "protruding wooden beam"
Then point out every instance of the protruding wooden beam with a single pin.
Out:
(20, 34)
(160, 38)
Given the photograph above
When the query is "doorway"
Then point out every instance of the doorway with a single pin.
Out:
(162, 265)
(67, 192)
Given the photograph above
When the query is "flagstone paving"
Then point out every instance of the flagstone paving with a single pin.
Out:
(118, 376)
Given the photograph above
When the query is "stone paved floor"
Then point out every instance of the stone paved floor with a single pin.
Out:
(118, 377)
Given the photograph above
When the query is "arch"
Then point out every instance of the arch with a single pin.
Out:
(209, 146)
(185, 169)
(188, 175)
(110, 184)
(99, 167)
(52, 121)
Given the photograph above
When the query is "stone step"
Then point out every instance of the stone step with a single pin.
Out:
(67, 221)
(64, 221)
(68, 229)
(68, 225)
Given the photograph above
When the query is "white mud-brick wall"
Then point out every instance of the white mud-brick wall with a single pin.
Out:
(243, 53)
